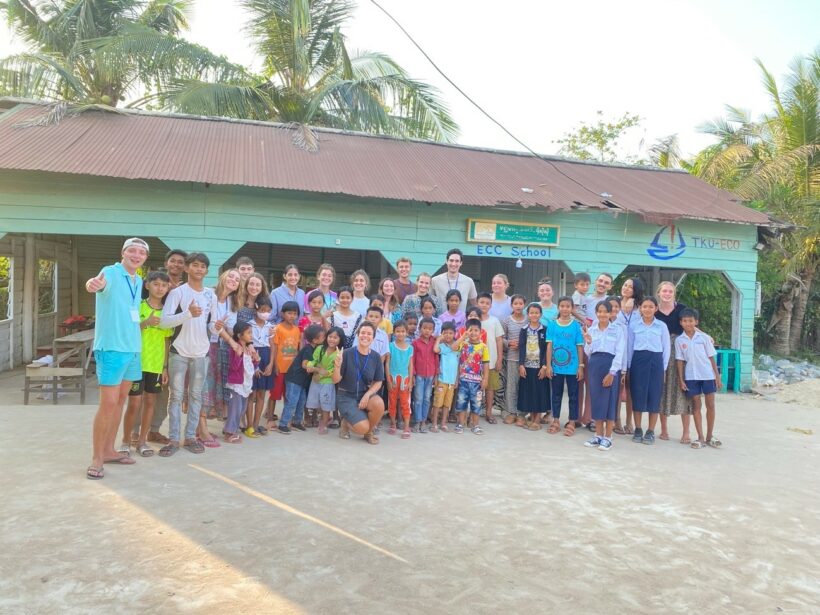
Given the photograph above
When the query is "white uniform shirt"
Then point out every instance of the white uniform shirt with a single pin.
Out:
(696, 351)
(494, 330)
(611, 340)
(653, 337)
(261, 334)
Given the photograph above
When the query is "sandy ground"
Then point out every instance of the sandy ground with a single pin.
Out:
(511, 521)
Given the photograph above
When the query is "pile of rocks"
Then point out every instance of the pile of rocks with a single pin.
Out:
(771, 373)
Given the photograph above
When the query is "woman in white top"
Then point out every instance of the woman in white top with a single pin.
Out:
(214, 393)
(360, 283)
(501, 307)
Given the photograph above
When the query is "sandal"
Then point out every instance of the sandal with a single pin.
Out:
(714, 442)
(569, 429)
(125, 460)
(491, 419)
(664, 436)
(686, 441)
(233, 438)
(697, 444)
(155, 436)
(618, 429)
(371, 438)
(168, 450)
(434, 429)
(194, 447)
(344, 431)
(94, 473)
(405, 435)
(212, 443)
(534, 426)
(334, 424)
(555, 427)
(509, 419)
(443, 428)
(628, 431)
(391, 430)
(520, 422)
(145, 451)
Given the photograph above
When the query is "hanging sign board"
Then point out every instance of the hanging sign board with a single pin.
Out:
(494, 231)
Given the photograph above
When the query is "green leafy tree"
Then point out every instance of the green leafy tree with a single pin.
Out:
(599, 140)
(310, 77)
(774, 163)
(88, 52)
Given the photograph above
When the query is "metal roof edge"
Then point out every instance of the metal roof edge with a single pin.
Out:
(325, 130)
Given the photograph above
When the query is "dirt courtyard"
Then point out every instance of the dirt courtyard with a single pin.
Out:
(512, 521)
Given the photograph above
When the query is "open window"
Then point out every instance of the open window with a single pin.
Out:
(46, 286)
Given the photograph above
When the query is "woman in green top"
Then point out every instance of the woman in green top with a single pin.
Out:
(322, 392)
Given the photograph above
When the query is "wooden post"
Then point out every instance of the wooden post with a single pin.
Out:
(29, 285)
(75, 276)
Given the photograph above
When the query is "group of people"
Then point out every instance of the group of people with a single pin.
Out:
(434, 353)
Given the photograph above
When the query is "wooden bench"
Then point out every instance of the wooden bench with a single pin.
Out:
(40, 374)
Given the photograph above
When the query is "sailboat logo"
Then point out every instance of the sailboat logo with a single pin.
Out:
(660, 250)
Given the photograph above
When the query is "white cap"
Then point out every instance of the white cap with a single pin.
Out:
(135, 241)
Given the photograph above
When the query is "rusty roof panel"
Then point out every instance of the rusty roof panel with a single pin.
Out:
(139, 145)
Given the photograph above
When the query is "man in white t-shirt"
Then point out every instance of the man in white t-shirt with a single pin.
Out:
(188, 307)
(453, 279)
(495, 343)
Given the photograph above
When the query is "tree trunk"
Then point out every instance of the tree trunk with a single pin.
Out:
(780, 324)
(796, 340)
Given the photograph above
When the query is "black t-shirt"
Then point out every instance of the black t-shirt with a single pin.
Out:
(296, 373)
(359, 371)
(672, 321)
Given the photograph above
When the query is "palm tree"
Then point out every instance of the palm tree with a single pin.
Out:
(775, 161)
(311, 78)
(88, 52)
(665, 153)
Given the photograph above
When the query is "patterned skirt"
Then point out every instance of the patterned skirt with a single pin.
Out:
(209, 388)
(673, 400)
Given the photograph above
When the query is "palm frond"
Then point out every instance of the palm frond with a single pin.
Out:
(167, 16)
(211, 99)
(40, 75)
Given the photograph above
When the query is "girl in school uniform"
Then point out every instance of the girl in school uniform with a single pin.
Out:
(346, 319)
(648, 357)
(605, 347)
(533, 390)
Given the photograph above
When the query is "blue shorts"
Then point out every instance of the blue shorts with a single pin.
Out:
(469, 396)
(113, 367)
(700, 387)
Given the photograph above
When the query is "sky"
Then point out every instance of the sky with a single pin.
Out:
(541, 68)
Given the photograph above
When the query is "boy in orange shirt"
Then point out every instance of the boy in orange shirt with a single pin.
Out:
(284, 348)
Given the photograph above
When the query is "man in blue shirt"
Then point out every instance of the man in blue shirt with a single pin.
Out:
(117, 346)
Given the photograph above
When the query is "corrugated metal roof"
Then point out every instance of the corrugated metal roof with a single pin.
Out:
(140, 145)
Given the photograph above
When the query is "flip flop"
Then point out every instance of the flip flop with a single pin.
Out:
(714, 442)
(686, 440)
(94, 473)
(491, 420)
(664, 436)
(212, 443)
(125, 460)
(371, 438)
(194, 447)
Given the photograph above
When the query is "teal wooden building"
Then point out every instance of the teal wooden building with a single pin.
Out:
(71, 191)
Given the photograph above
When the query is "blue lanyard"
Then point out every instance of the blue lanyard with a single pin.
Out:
(360, 372)
(455, 286)
(132, 289)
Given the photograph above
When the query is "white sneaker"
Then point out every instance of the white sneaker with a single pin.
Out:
(593, 443)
